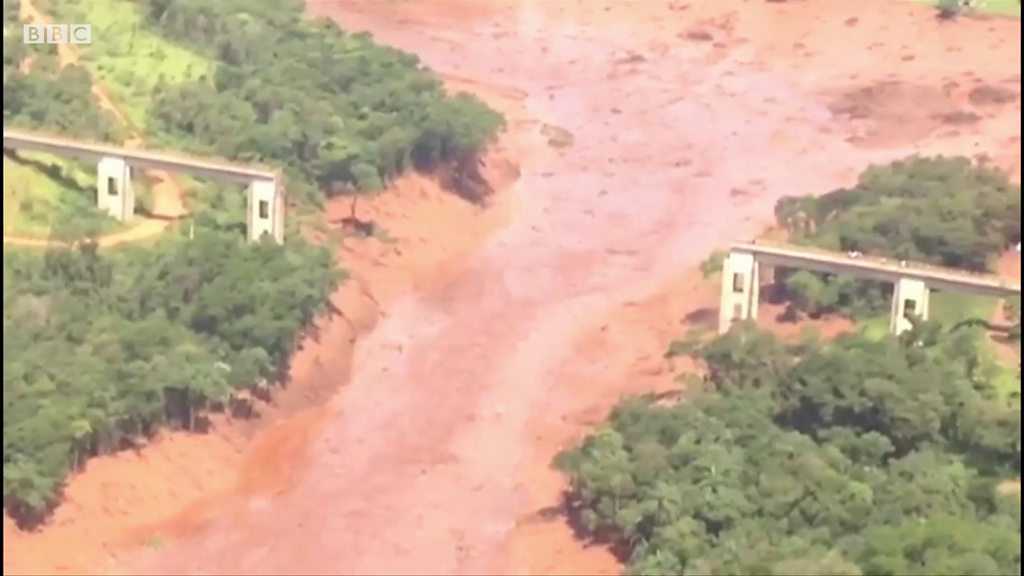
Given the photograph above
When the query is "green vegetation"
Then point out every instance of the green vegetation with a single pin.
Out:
(946, 308)
(46, 196)
(43, 194)
(103, 348)
(342, 113)
(48, 95)
(1011, 310)
(711, 267)
(870, 454)
(950, 309)
(130, 59)
(948, 211)
(945, 211)
(859, 456)
(985, 7)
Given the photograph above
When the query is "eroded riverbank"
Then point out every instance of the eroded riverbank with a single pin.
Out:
(681, 143)
(688, 121)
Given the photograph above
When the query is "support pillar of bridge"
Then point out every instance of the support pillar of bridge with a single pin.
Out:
(740, 289)
(114, 193)
(265, 210)
(909, 299)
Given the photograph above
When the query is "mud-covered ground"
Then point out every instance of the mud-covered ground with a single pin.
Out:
(687, 121)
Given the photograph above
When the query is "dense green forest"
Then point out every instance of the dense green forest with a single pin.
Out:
(859, 456)
(345, 113)
(101, 348)
(946, 211)
(49, 96)
(104, 347)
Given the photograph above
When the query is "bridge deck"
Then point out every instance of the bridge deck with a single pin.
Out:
(889, 270)
(216, 169)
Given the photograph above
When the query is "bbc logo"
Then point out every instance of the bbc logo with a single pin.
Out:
(57, 34)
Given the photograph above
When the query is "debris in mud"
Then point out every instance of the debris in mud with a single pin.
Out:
(894, 112)
(989, 95)
(631, 58)
(557, 137)
(464, 177)
(365, 228)
(699, 35)
(958, 118)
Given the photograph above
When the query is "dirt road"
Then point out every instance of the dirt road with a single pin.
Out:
(689, 121)
(168, 198)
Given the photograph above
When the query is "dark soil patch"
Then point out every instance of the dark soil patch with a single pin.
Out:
(990, 95)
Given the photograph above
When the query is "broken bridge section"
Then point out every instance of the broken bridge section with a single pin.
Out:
(114, 165)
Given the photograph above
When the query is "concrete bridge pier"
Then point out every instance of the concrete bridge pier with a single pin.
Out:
(912, 285)
(909, 299)
(265, 211)
(114, 193)
(740, 289)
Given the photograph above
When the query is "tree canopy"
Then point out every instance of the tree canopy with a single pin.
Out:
(947, 211)
(342, 111)
(853, 457)
(104, 347)
(46, 95)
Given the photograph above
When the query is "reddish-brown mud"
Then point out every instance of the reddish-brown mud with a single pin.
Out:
(139, 499)
(688, 121)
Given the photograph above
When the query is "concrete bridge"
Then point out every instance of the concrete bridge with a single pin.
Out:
(912, 282)
(114, 194)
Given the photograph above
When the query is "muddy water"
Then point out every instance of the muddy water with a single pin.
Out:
(679, 147)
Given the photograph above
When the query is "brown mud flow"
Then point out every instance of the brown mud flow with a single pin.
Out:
(688, 121)
(127, 505)
(679, 124)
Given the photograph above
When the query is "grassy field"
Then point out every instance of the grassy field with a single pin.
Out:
(951, 309)
(947, 308)
(129, 61)
(47, 196)
(992, 7)
(1004, 7)
(1005, 375)
(125, 56)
